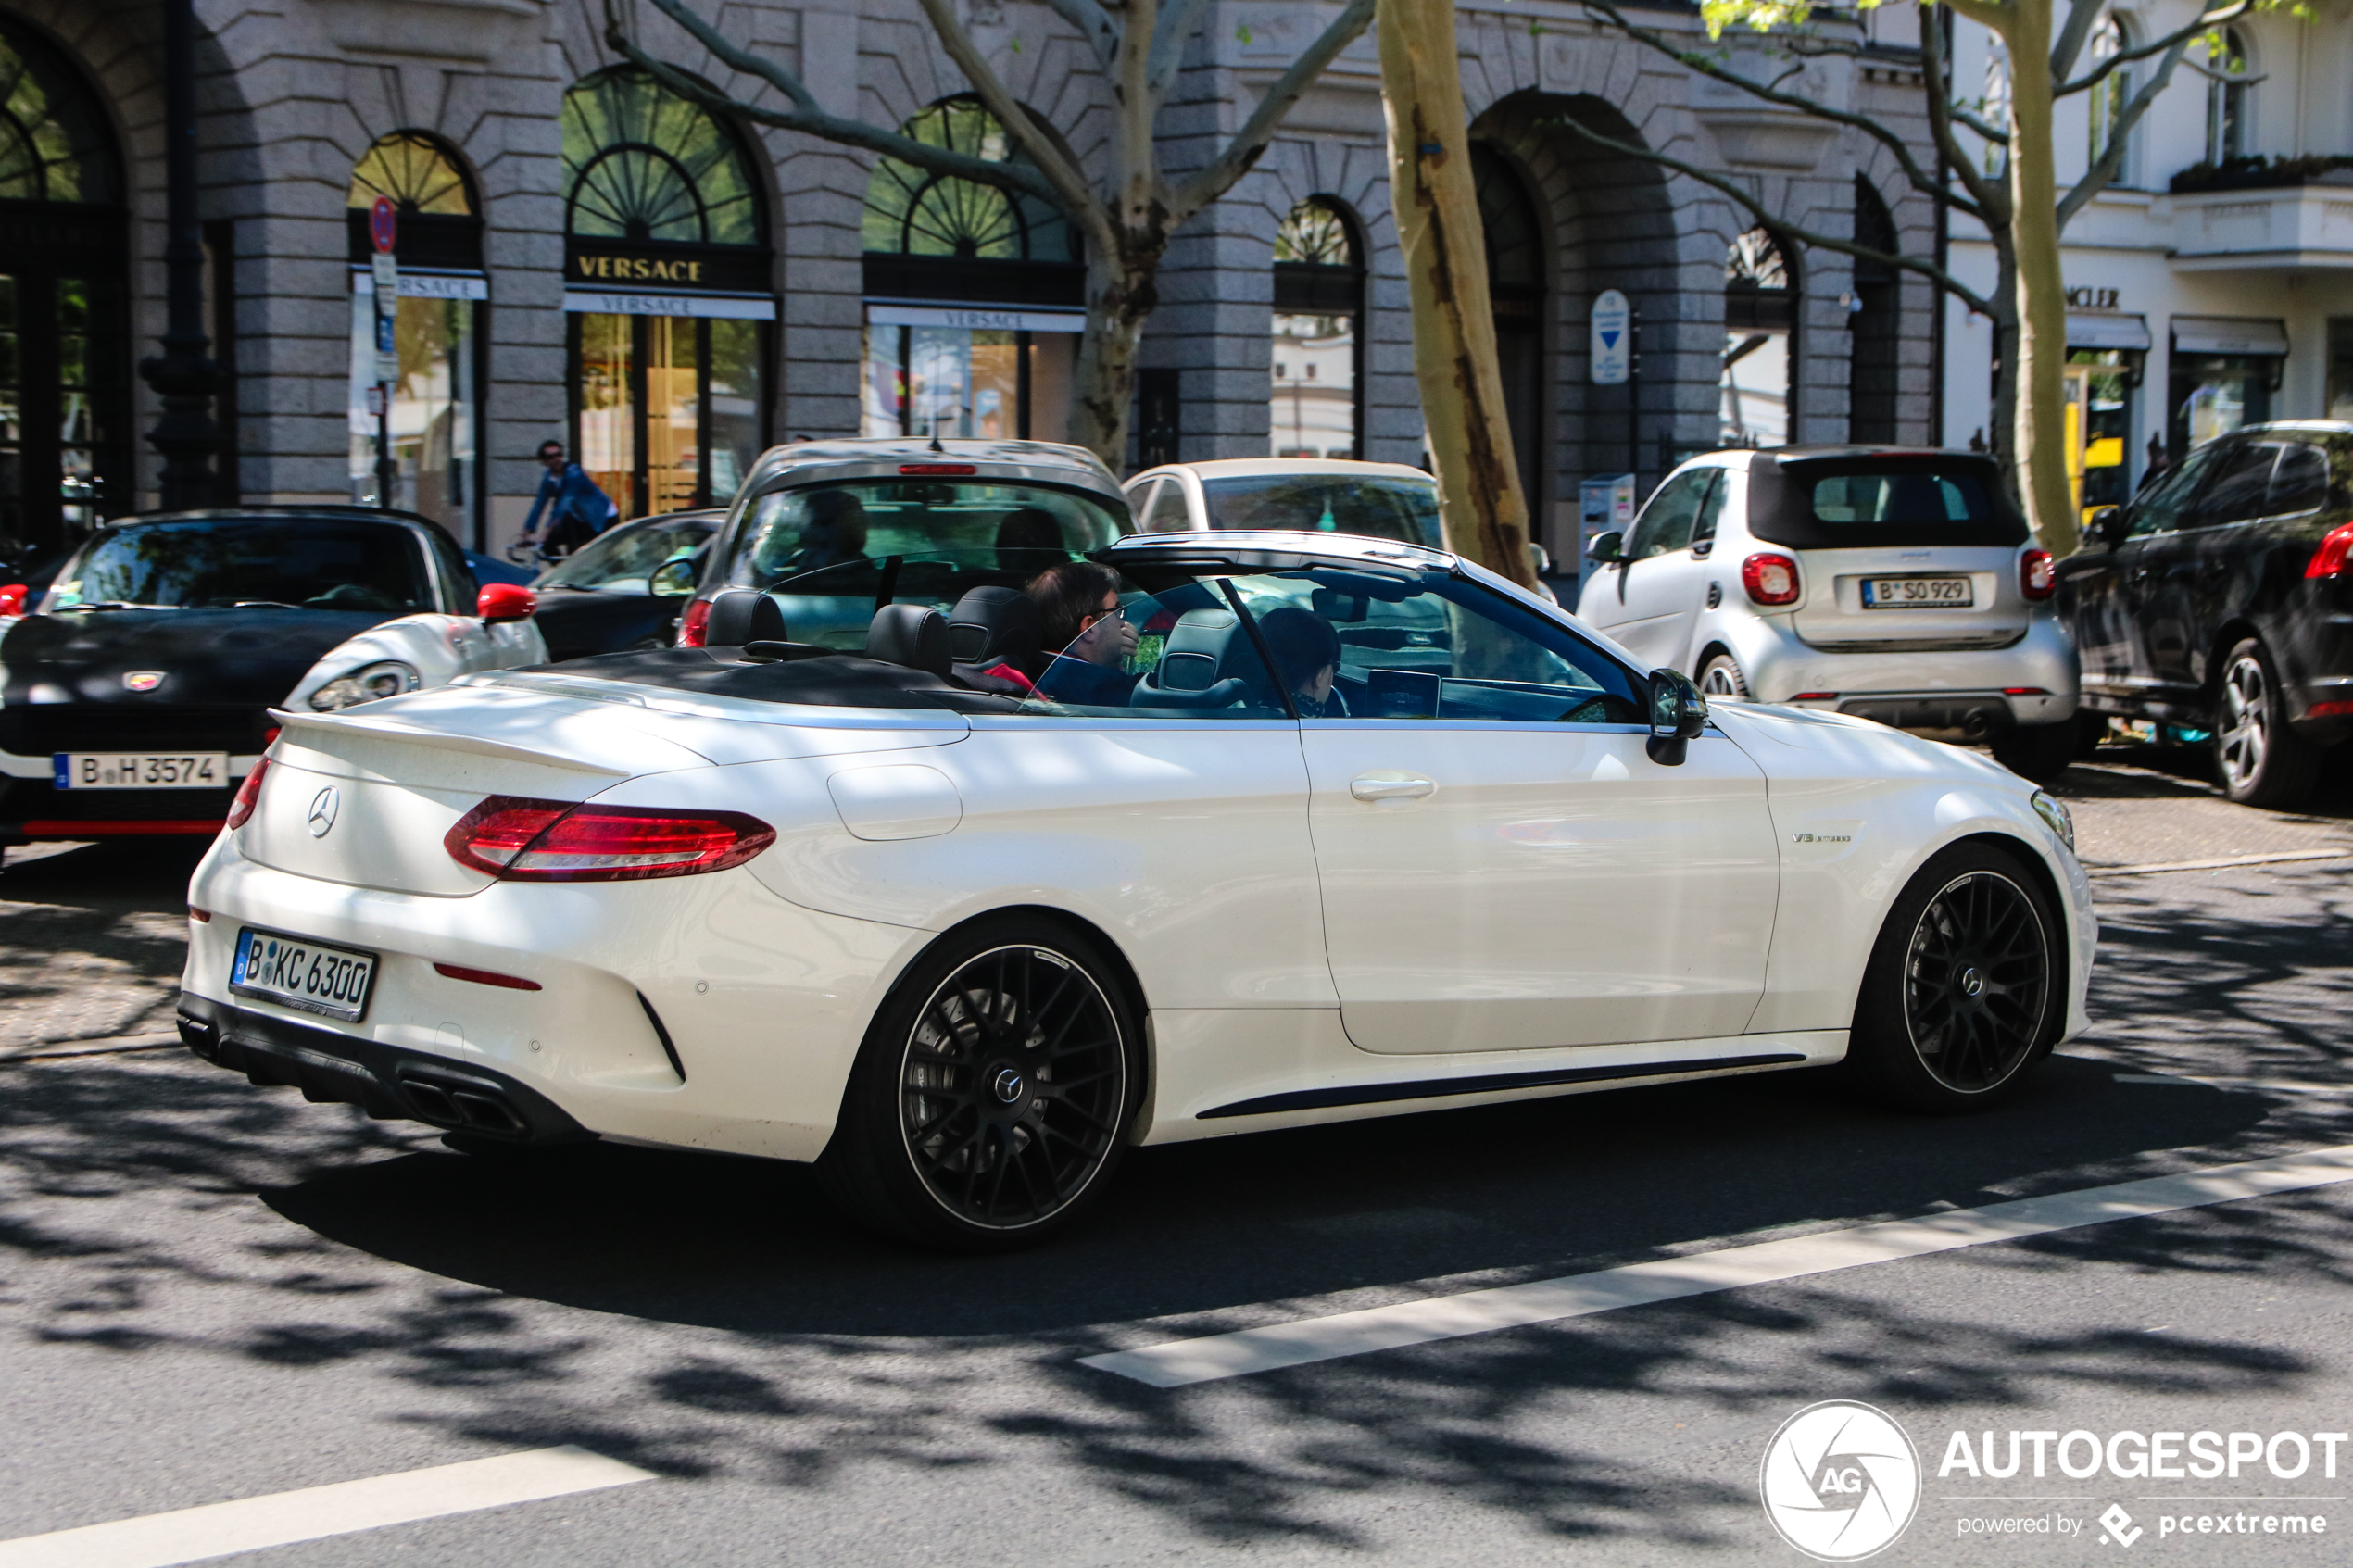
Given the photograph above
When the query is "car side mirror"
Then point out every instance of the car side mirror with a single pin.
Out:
(673, 579)
(506, 601)
(1607, 548)
(1538, 559)
(1678, 713)
(2108, 525)
(13, 598)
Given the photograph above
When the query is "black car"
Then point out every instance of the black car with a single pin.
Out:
(137, 691)
(604, 598)
(2222, 599)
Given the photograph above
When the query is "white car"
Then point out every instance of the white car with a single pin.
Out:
(1354, 829)
(1896, 584)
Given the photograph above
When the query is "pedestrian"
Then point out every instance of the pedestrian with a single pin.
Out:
(2160, 463)
(580, 511)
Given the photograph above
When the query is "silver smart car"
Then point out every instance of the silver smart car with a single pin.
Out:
(1899, 584)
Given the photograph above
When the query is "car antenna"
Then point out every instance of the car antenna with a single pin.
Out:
(934, 442)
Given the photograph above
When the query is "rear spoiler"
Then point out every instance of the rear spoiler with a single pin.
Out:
(393, 729)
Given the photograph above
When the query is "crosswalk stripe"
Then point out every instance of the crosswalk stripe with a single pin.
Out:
(1183, 1362)
(191, 1534)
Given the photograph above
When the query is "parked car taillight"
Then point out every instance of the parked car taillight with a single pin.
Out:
(248, 796)
(2336, 549)
(2037, 575)
(693, 623)
(518, 840)
(1769, 579)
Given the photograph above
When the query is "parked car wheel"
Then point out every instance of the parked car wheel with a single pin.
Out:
(993, 1093)
(2041, 752)
(1963, 992)
(2261, 760)
(1721, 680)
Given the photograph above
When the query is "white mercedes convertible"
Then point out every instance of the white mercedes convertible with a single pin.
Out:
(1294, 828)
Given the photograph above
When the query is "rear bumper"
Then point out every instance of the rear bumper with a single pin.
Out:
(2033, 681)
(386, 1082)
(32, 807)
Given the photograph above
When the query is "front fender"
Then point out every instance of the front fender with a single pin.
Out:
(439, 647)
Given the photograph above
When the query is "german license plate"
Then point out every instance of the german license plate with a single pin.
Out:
(1915, 593)
(297, 973)
(141, 770)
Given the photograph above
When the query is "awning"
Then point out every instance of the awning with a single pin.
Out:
(978, 317)
(2228, 334)
(618, 301)
(2107, 330)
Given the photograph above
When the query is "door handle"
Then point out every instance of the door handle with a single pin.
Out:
(1391, 787)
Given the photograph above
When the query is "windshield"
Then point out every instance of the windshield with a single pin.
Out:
(307, 563)
(1020, 529)
(1382, 508)
(1914, 497)
(621, 561)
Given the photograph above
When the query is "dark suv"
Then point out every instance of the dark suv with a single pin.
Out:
(2222, 599)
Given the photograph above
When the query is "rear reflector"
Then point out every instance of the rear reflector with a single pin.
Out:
(248, 796)
(202, 917)
(518, 840)
(1813, 697)
(2330, 709)
(2330, 559)
(937, 468)
(2024, 691)
(487, 977)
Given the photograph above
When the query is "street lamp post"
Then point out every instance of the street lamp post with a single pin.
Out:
(184, 375)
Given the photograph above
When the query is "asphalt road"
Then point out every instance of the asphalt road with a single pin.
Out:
(212, 1292)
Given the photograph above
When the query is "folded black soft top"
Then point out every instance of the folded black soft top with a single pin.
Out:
(832, 679)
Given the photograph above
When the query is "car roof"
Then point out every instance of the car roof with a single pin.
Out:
(2301, 427)
(883, 457)
(1232, 468)
(322, 511)
(1234, 543)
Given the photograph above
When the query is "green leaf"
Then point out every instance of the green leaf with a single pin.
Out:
(1242, 32)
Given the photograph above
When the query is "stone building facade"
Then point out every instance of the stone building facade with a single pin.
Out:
(581, 260)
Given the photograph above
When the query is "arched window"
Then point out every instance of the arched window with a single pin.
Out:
(2108, 99)
(2228, 100)
(997, 362)
(1318, 333)
(669, 286)
(415, 432)
(1513, 239)
(64, 359)
(1874, 323)
(1760, 316)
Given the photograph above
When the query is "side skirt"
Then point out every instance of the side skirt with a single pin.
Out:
(1482, 1084)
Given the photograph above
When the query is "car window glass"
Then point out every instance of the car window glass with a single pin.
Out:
(1704, 528)
(1351, 644)
(1181, 654)
(459, 575)
(1666, 523)
(1140, 498)
(1025, 527)
(2241, 484)
(622, 559)
(1376, 506)
(2301, 482)
(1169, 513)
(305, 563)
(1902, 496)
(2159, 511)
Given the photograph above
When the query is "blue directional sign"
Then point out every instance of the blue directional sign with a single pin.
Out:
(1613, 349)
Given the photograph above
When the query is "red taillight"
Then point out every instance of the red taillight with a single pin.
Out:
(2037, 575)
(2024, 691)
(1769, 579)
(1814, 696)
(937, 468)
(248, 796)
(13, 598)
(696, 622)
(2330, 559)
(517, 840)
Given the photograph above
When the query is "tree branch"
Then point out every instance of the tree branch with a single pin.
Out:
(1994, 16)
(1972, 121)
(1927, 269)
(1988, 202)
(1094, 24)
(805, 115)
(2103, 173)
(2180, 36)
(1602, 12)
(1069, 189)
(1169, 38)
(2081, 16)
(1206, 184)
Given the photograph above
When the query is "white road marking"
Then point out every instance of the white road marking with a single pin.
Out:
(1184, 1362)
(2222, 862)
(191, 1534)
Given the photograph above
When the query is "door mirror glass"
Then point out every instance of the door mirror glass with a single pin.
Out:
(1678, 713)
(2107, 525)
(1607, 548)
(673, 579)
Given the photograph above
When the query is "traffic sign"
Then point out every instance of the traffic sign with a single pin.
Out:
(384, 225)
(1612, 353)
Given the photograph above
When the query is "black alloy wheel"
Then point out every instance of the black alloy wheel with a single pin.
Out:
(993, 1096)
(1965, 987)
(2261, 760)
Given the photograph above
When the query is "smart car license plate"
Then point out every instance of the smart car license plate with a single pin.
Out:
(141, 770)
(297, 972)
(1917, 593)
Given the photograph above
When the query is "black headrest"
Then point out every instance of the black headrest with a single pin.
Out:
(1031, 528)
(743, 615)
(912, 636)
(990, 624)
(1194, 657)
